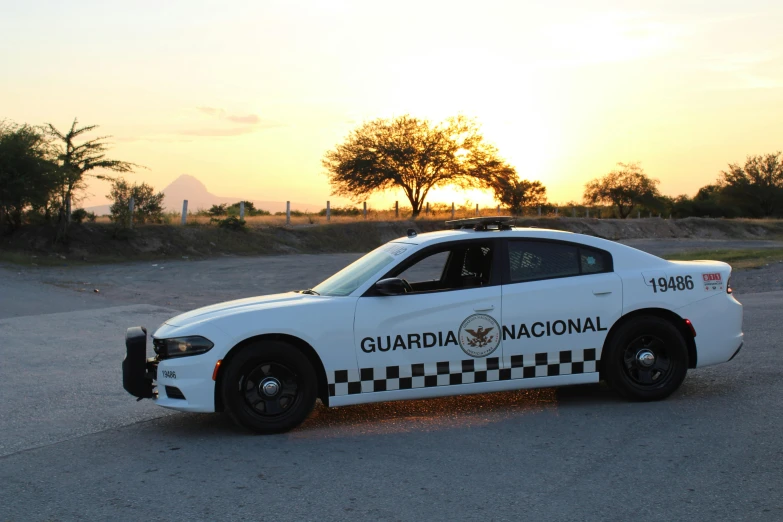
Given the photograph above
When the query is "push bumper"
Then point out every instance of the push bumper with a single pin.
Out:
(138, 372)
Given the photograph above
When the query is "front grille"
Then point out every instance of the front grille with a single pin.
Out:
(173, 392)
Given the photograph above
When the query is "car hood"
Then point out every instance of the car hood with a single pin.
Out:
(239, 305)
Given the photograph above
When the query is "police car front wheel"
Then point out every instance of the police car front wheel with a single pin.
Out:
(269, 387)
(647, 359)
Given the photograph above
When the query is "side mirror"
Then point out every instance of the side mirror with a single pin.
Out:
(391, 286)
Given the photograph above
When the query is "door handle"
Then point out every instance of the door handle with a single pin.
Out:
(485, 309)
(599, 292)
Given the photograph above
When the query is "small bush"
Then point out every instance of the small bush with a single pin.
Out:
(294, 213)
(216, 210)
(230, 223)
(250, 210)
(79, 215)
(341, 211)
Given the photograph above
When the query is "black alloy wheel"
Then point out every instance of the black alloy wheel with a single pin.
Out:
(269, 387)
(645, 359)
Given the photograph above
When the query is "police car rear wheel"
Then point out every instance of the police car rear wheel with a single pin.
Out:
(269, 387)
(647, 359)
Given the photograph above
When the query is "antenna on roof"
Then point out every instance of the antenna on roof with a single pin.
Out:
(482, 223)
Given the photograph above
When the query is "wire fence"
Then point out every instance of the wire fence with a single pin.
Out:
(435, 211)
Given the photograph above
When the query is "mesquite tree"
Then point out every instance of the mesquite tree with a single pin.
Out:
(624, 188)
(412, 154)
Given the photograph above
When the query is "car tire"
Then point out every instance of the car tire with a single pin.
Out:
(269, 387)
(646, 359)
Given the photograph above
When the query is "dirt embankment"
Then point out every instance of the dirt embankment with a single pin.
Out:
(100, 242)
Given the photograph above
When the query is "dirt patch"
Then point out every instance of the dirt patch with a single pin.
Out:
(98, 242)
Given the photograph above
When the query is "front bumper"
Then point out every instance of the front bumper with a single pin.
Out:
(138, 372)
(181, 383)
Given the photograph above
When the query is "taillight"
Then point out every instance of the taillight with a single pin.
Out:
(728, 286)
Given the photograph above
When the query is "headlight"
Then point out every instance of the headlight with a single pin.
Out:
(181, 346)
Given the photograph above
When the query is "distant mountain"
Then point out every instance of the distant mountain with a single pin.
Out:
(99, 210)
(192, 189)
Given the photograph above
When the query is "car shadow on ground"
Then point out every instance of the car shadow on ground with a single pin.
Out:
(459, 411)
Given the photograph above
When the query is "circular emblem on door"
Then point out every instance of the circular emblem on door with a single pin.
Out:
(479, 335)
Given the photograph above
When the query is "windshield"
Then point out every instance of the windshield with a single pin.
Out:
(356, 274)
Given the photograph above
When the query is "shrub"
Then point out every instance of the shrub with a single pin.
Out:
(79, 215)
(230, 223)
(341, 211)
(217, 210)
(294, 213)
(250, 209)
(148, 206)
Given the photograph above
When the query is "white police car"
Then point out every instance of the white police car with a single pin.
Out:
(482, 307)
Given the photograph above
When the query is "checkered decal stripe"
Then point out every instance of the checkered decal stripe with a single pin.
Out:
(429, 375)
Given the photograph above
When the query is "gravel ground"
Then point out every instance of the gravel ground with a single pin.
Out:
(73, 445)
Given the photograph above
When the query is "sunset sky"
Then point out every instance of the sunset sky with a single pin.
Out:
(247, 96)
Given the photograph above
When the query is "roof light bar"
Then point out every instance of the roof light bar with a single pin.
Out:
(482, 223)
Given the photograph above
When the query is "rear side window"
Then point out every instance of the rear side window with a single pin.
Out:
(594, 261)
(534, 260)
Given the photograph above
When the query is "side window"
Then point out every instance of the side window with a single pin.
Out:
(593, 261)
(429, 269)
(457, 266)
(531, 260)
(534, 260)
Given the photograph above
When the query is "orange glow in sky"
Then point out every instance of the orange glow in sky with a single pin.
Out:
(247, 96)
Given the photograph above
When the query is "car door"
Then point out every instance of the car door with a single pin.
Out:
(443, 332)
(559, 301)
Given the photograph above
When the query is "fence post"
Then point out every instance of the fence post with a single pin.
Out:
(638, 214)
(477, 210)
(396, 209)
(184, 217)
(556, 211)
(574, 210)
(428, 208)
(539, 210)
(452, 210)
(131, 204)
(588, 212)
(498, 213)
(328, 212)
(242, 210)
(365, 210)
(650, 214)
(287, 212)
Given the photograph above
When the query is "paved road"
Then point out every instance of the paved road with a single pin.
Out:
(73, 445)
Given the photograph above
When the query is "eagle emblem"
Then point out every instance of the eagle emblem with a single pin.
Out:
(480, 338)
(479, 335)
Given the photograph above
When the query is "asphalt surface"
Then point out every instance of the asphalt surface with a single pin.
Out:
(74, 445)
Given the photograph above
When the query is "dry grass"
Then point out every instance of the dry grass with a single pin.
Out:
(372, 216)
(737, 258)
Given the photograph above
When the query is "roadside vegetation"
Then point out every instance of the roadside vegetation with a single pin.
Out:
(43, 174)
(737, 258)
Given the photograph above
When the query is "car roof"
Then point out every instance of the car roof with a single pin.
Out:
(624, 256)
(446, 235)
